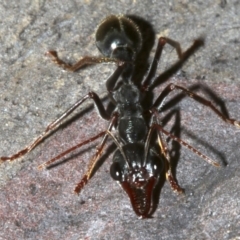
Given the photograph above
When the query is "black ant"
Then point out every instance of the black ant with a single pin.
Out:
(137, 162)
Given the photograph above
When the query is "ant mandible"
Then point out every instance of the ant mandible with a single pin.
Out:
(137, 162)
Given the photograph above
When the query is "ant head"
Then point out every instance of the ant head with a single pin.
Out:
(119, 37)
(137, 176)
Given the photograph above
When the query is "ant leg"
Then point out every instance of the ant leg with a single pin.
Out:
(153, 66)
(194, 150)
(96, 157)
(168, 171)
(164, 155)
(160, 100)
(81, 63)
(161, 42)
(175, 45)
(168, 168)
(56, 123)
(164, 150)
(153, 82)
(46, 164)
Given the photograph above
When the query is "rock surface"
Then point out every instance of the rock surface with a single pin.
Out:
(41, 204)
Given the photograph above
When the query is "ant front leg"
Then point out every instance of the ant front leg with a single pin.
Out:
(95, 158)
(165, 156)
(81, 63)
(52, 126)
(156, 125)
(168, 166)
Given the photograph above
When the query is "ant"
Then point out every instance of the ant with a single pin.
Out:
(139, 160)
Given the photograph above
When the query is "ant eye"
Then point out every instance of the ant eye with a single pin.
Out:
(156, 166)
(116, 171)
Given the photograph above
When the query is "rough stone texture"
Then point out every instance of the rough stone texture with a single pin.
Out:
(41, 204)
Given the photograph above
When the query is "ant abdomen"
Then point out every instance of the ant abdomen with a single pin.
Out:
(118, 37)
